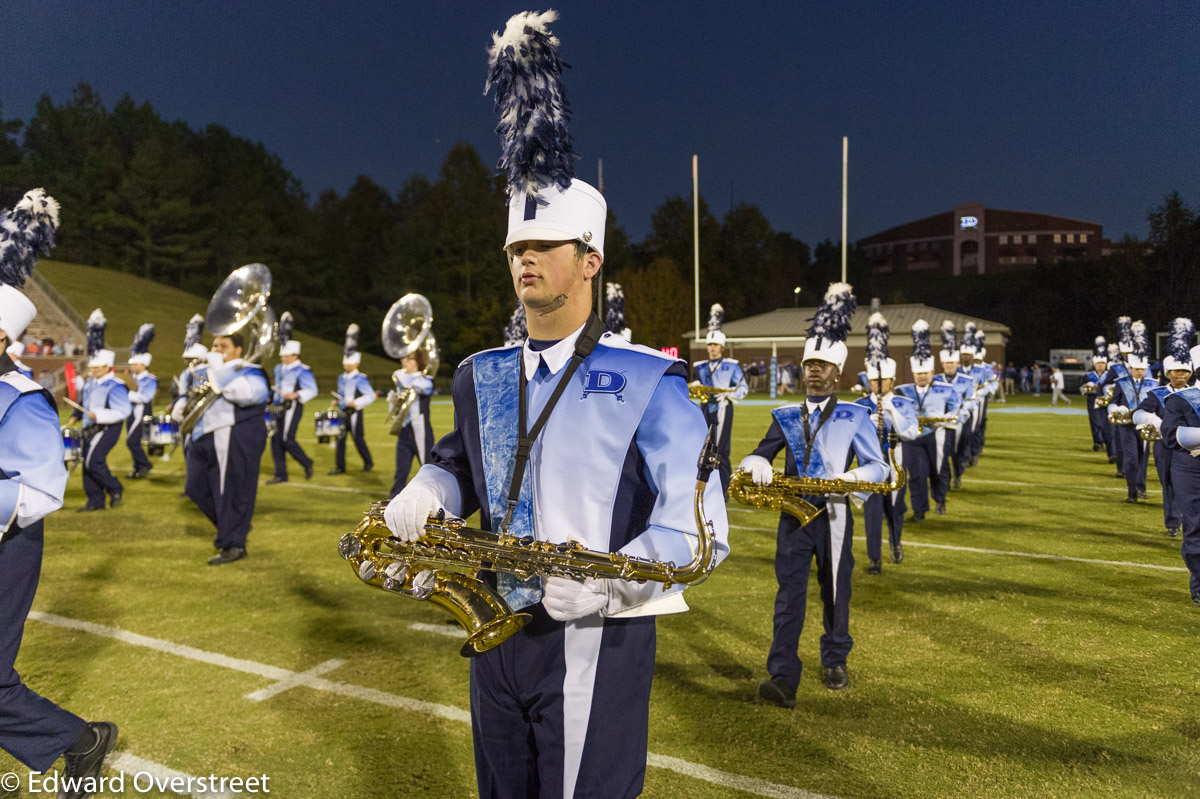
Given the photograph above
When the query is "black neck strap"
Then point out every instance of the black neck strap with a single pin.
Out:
(809, 433)
(590, 335)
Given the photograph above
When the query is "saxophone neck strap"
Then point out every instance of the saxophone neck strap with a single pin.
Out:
(584, 345)
(810, 434)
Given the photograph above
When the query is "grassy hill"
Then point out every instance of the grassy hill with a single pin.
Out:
(129, 301)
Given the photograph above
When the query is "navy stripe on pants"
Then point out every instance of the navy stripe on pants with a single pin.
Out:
(563, 709)
(133, 440)
(97, 479)
(284, 442)
(33, 729)
(222, 478)
(356, 432)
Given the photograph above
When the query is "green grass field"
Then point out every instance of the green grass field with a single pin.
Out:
(974, 674)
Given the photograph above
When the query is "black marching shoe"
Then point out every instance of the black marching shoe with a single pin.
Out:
(136, 475)
(114, 500)
(876, 567)
(87, 508)
(227, 555)
(308, 472)
(1097, 447)
(918, 517)
(368, 467)
(1172, 532)
(957, 481)
(276, 479)
(332, 472)
(898, 553)
(836, 678)
(84, 759)
(1112, 458)
(940, 510)
(1131, 500)
(1141, 493)
(777, 692)
(1120, 474)
(1196, 601)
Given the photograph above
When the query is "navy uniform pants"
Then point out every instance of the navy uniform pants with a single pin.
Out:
(1162, 465)
(355, 431)
(563, 709)
(33, 729)
(1135, 456)
(406, 449)
(713, 415)
(826, 538)
(97, 479)
(222, 478)
(1096, 418)
(1110, 436)
(284, 442)
(980, 429)
(1118, 442)
(962, 448)
(928, 467)
(133, 439)
(1185, 476)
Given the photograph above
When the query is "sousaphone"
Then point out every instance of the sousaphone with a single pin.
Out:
(407, 328)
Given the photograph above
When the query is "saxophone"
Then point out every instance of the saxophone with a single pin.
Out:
(699, 391)
(426, 569)
(1104, 400)
(938, 421)
(1148, 432)
(786, 493)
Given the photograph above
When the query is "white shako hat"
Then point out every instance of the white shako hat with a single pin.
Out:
(879, 365)
(546, 201)
(139, 349)
(922, 357)
(949, 353)
(716, 320)
(26, 232)
(350, 354)
(1140, 357)
(97, 354)
(830, 326)
(287, 344)
(1181, 334)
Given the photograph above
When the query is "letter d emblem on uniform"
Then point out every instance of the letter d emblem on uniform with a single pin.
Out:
(599, 381)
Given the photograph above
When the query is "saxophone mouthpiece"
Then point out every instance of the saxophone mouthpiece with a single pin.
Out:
(709, 458)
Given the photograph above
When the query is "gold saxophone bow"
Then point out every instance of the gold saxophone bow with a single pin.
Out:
(699, 391)
(426, 568)
(786, 493)
(1149, 432)
(1103, 401)
(938, 421)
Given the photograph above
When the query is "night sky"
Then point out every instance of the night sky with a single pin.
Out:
(1083, 109)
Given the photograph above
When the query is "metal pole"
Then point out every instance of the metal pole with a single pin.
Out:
(696, 237)
(845, 171)
(773, 371)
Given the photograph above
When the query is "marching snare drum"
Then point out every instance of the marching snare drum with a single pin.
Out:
(72, 446)
(162, 432)
(329, 426)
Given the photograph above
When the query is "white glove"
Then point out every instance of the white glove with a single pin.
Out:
(177, 410)
(567, 600)
(875, 420)
(759, 468)
(406, 514)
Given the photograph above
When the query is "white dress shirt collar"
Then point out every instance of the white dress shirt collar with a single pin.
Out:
(813, 407)
(556, 356)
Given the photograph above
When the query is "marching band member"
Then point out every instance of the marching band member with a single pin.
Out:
(562, 708)
(354, 393)
(106, 400)
(720, 372)
(1090, 390)
(927, 457)
(141, 400)
(1181, 436)
(227, 446)
(978, 376)
(1129, 393)
(957, 444)
(416, 436)
(294, 386)
(15, 351)
(819, 437)
(1177, 368)
(33, 729)
(1108, 378)
(899, 421)
(195, 358)
(1116, 370)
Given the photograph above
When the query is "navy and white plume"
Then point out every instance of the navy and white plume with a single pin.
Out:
(286, 325)
(526, 70)
(1100, 349)
(877, 339)
(832, 319)
(920, 336)
(142, 339)
(96, 325)
(351, 341)
(979, 339)
(949, 336)
(1180, 339)
(195, 327)
(1125, 330)
(968, 338)
(1141, 341)
(517, 330)
(716, 318)
(614, 309)
(26, 232)
(1114, 353)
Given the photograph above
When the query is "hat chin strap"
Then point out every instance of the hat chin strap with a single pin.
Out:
(553, 306)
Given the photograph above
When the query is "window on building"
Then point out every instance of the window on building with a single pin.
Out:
(1070, 238)
(1058, 238)
(1030, 238)
(1003, 238)
(1083, 238)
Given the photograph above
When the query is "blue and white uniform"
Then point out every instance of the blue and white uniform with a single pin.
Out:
(1097, 418)
(900, 418)
(416, 436)
(33, 729)
(961, 445)
(839, 433)
(141, 401)
(980, 374)
(291, 378)
(227, 445)
(24, 370)
(355, 393)
(927, 457)
(108, 398)
(562, 708)
(1135, 453)
(1150, 411)
(722, 373)
(1181, 436)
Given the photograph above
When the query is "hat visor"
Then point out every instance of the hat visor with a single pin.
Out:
(543, 230)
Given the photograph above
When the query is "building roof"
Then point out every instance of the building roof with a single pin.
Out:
(793, 322)
(996, 220)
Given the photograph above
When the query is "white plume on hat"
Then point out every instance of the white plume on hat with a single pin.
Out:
(922, 354)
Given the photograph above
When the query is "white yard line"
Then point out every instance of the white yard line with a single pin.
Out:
(751, 785)
(439, 629)
(295, 681)
(132, 765)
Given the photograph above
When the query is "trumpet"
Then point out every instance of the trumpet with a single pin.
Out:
(699, 391)
(425, 569)
(1148, 432)
(786, 493)
(1103, 401)
(1121, 418)
(1088, 389)
(938, 421)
